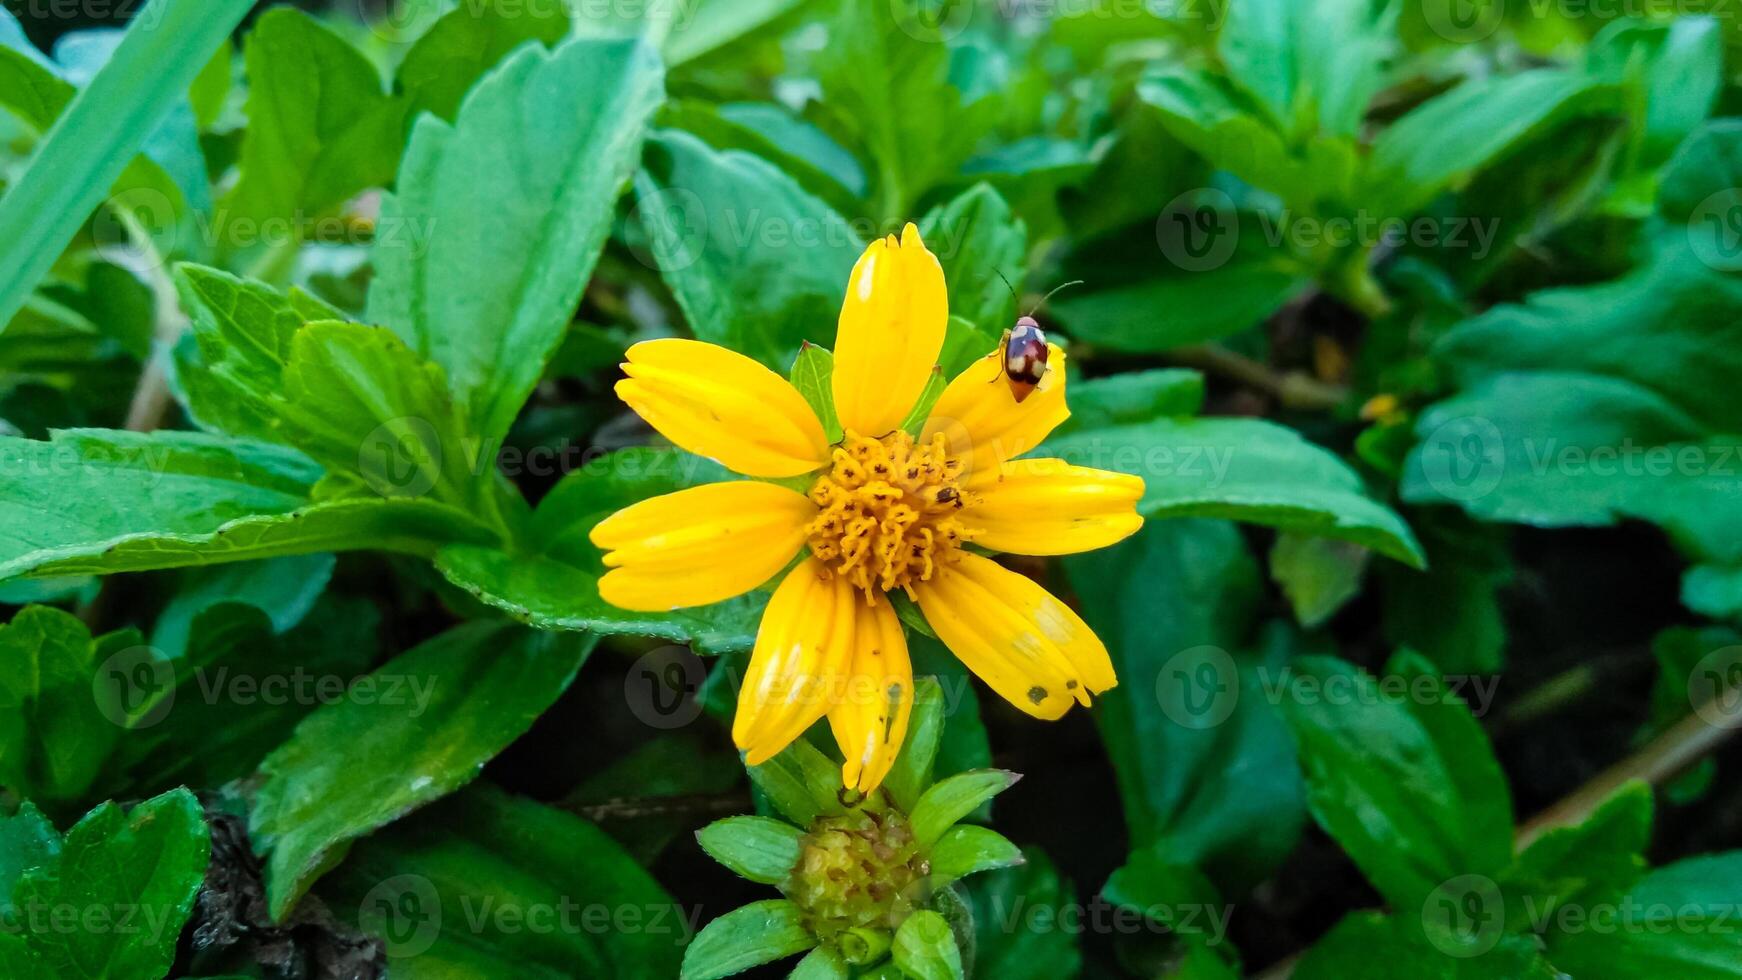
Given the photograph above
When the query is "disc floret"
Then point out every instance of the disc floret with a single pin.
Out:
(888, 511)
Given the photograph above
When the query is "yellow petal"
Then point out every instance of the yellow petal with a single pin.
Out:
(891, 328)
(1049, 507)
(984, 424)
(700, 545)
(803, 648)
(720, 404)
(1025, 644)
(870, 718)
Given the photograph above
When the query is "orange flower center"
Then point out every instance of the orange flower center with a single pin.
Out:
(889, 511)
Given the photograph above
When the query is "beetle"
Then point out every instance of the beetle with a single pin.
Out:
(1023, 349)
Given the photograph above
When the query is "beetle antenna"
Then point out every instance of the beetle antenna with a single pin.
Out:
(1014, 299)
(1062, 285)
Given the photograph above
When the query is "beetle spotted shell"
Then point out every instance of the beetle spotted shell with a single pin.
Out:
(1025, 354)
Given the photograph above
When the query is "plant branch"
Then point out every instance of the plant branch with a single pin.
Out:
(636, 808)
(1294, 389)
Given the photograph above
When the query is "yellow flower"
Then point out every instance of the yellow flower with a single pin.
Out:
(884, 511)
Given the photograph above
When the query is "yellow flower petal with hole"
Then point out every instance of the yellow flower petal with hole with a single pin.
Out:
(803, 648)
(701, 545)
(1024, 643)
(891, 329)
(982, 422)
(1049, 507)
(720, 404)
(870, 718)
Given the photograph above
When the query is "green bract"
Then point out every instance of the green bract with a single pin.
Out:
(1419, 321)
(869, 884)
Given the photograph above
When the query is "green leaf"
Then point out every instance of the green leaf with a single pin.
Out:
(799, 149)
(484, 884)
(430, 720)
(758, 933)
(1312, 68)
(912, 772)
(878, 67)
(56, 737)
(234, 700)
(209, 93)
(94, 140)
(812, 374)
(1451, 610)
(559, 589)
(1134, 396)
(320, 130)
(1317, 575)
(86, 491)
(1242, 469)
(1218, 276)
(1676, 922)
(465, 43)
(965, 849)
(1372, 946)
(497, 224)
(243, 331)
(552, 594)
(1692, 671)
(800, 782)
(136, 874)
(284, 589)
(712, 25)
(1226, 128)
(952, 799)
(822, 963)
(1406, 783)
(761, 849)
(755, 263)
(1450, 137)
(687, 33)
(964, 343)
(1608, 400)
(1165, 892)
(1677, 68)
(27, 841)
(30, 89)
(1018, 918)
(413, 527)
(983, 248)
(1175, 605)
(1590, 864)
(925, 948)
(360, 403)
(1662, 330)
